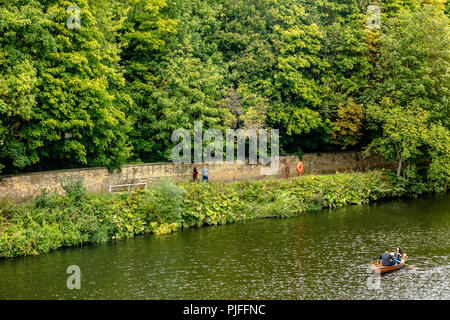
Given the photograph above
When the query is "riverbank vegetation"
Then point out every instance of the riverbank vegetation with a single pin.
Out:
(113, 90)
(52, 221)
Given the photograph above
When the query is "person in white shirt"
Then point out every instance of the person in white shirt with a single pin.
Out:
(205, 172)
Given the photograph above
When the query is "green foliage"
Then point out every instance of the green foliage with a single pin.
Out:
(61, 99)
(114, 90)
(347, 129)
(166, 200)
(344, 48)
(409, 95)
(412, 69)
(438, 149)
(74, 189)
(145, 33)
(409, 137)
(403, 133)
(51, 221)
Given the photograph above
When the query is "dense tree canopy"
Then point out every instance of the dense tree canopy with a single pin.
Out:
(413, 68)
(114, 89)
(62, 97)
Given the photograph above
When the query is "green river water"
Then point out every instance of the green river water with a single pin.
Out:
(319, 255)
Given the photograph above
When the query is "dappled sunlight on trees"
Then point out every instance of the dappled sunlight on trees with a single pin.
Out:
(113, 89)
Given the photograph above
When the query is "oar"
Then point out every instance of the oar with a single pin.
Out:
(409, 266)
(373, 263)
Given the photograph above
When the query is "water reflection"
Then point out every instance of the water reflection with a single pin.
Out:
(320, 255)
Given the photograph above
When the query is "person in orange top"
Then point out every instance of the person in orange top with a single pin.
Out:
(300, 168)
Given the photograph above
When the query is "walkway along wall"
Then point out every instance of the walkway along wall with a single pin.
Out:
(23, 186)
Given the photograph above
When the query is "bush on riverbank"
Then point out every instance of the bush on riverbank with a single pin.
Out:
(52, 221)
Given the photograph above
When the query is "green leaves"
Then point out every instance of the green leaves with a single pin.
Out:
(114, 90)
(166, 199)
(403, 132)
(52, 221)
(408, 136)
(411, 91)
(347, 129)
(298, 121)
(414, 60)
(59, 98)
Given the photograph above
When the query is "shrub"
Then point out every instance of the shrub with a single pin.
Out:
(52, 221)
(74, 189)
(7, 210)
(165, 202)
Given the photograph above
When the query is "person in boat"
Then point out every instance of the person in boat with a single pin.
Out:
(398, 255)
(386, 259)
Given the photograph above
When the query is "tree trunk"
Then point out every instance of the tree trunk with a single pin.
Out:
(399, 169)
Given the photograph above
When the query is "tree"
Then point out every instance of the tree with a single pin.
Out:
(115, 89)
(438, 151)
(144, 38)
(344, 48)
(192, 91)
(403, 133)
(413, 65)
(174, 72)
(409, 136)
(347, 129)
(61, 96)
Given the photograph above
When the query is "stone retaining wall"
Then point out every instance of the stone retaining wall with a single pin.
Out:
(23, 186)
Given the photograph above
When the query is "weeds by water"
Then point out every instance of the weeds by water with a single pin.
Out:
(52, 221)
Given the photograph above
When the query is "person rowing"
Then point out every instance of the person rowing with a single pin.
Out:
(386, 259)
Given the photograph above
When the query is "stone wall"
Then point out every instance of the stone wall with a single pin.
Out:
(24, 186)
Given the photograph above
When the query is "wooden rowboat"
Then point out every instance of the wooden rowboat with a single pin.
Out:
(378, 268)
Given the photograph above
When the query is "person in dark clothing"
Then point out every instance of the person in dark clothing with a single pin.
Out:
(195, 174)
(398, 255)
(286, 171)
(386, 259)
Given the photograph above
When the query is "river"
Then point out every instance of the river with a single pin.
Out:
(319, 255)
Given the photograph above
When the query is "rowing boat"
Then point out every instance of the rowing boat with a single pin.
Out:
(378, 268)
